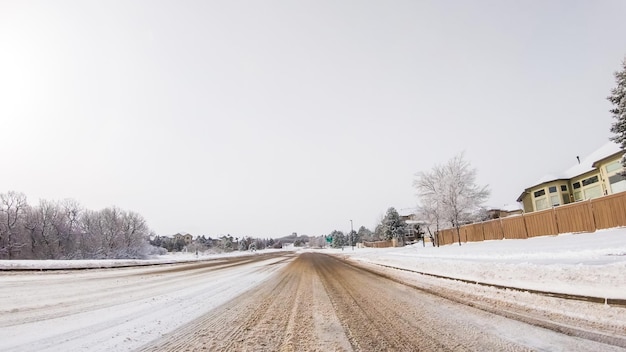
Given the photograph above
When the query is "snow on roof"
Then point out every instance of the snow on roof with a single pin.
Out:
(506, 207)
(586, 164)
(407, 211)
(512, 207)
(548, 178)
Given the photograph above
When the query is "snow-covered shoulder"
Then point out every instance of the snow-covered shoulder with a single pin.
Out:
(582, 264)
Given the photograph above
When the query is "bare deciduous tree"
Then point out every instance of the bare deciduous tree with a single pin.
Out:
(449, 193)
(42, 224)
(13, 207)
(63, 230)
(69, 239)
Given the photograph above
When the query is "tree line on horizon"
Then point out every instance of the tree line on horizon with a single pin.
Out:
(66, 230)
(391, 226)
(223, 243)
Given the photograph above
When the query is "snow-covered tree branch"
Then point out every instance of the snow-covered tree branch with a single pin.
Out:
(449, 195)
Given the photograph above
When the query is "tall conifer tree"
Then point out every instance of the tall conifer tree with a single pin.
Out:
(618, 99)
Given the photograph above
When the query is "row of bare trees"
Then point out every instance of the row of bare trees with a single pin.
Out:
(65, 230)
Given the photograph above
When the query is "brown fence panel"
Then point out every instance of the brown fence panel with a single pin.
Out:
(378, 244)
(541, 223)
(446, 236)
(492, 230)
(440, 238)
(462, 232)
(574, 217)
(514, 227)
(609, 211)
(478, 234)
(453, 238)
(471, 233)
(599, 213)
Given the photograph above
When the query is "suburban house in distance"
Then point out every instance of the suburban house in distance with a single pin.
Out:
(187, 238)
(504, 211)
(594, 176)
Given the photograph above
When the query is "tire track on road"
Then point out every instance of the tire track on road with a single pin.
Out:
(552, 321)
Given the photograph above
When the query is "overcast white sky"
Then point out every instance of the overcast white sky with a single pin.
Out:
(264, 118)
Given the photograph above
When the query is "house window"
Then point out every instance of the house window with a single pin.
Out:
(590, 180)
(593, 192)
(618, 183)
(576, 185)
(552, 189)
(554, 199)
(578, 195)
(540, 193)
(541, 204)
(614, 166)
(563, 188)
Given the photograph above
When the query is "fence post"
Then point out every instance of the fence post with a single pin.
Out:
(525, 226)
(556, 220)
(482, 225)
(593, 216)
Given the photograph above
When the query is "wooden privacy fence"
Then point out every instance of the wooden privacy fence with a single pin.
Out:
(586, 216)
(378, 244)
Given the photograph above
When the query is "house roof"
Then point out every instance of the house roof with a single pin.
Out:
(586, 164)
(511, 207)
(407, 211)
(506, 207)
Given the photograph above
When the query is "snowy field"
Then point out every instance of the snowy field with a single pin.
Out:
(591, 264)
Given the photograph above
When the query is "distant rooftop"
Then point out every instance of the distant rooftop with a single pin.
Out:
(506, 207)
(407, 211)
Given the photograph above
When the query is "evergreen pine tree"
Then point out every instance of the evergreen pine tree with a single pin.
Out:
(394, 227)
(618, 99)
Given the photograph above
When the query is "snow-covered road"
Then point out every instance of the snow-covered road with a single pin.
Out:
(126, 308)
(322, 303)
(118, 309)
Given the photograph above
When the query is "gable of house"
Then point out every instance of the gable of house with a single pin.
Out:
(611, 171)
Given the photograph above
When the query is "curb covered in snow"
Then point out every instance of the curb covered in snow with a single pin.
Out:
(604, 300)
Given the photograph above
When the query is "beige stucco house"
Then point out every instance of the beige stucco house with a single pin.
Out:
(187, 238)
(594, 176)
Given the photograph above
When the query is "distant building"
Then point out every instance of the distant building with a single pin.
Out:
(504, 211)
(407, 214)
(187, 238)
